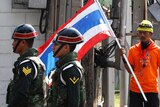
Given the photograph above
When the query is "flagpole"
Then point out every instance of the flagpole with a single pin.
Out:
(124, 56)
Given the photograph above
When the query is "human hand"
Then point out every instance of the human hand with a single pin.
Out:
(122, 51)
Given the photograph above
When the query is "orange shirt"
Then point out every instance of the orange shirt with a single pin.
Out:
(145, 64)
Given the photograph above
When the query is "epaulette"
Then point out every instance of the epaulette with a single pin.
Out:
(69, 65)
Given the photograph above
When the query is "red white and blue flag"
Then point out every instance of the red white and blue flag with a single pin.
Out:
(90, 22)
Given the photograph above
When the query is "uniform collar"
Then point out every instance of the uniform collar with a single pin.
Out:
(28, 53)
(67, 58)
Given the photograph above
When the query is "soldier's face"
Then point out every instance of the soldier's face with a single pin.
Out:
(64, 50)
(18, 46)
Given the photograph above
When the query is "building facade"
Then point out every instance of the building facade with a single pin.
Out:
(9, 19)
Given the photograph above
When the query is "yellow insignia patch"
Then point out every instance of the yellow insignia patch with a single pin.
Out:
(74, 80)
(26, 70)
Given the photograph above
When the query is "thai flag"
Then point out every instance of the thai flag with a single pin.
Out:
(91, 23)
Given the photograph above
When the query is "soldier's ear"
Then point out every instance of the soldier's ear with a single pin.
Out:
(24, 43)
(67, 47)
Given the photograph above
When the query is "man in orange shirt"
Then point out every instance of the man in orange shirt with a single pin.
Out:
(144, 57)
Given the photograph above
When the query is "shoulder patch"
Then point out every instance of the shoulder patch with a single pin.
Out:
(74, 80)
(26, 70)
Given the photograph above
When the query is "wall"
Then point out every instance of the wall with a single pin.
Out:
(9, 19)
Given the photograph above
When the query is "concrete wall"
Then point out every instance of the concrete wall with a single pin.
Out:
(9, 19)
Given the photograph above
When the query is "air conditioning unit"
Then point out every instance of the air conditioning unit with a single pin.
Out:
(32, 4)
(37, 4)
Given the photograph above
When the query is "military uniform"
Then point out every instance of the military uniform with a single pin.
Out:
(68, 87)
(68, 83)
(27, 89)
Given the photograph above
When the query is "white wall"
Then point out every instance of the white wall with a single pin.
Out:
(9, 19)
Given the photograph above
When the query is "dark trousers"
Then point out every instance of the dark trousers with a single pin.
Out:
(136, 100)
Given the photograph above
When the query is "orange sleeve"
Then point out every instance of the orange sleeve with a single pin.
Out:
(130, 57)
(159, 57)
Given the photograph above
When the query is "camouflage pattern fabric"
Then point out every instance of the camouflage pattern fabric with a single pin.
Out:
(69, 91)
(27, 89)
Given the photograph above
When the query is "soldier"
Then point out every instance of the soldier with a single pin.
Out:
(68, 87)
(27, 89)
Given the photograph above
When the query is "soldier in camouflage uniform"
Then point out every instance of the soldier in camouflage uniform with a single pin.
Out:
(68, 85)
(27, 89)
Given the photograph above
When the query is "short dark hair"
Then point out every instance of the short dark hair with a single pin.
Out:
(30, 42)
(72, 47)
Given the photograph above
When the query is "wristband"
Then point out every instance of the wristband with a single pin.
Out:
(124, 61)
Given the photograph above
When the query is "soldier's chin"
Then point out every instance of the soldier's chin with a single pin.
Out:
(55, 56)
(14, 50)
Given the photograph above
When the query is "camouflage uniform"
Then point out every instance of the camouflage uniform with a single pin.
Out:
(68, 88)
(27, 89)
